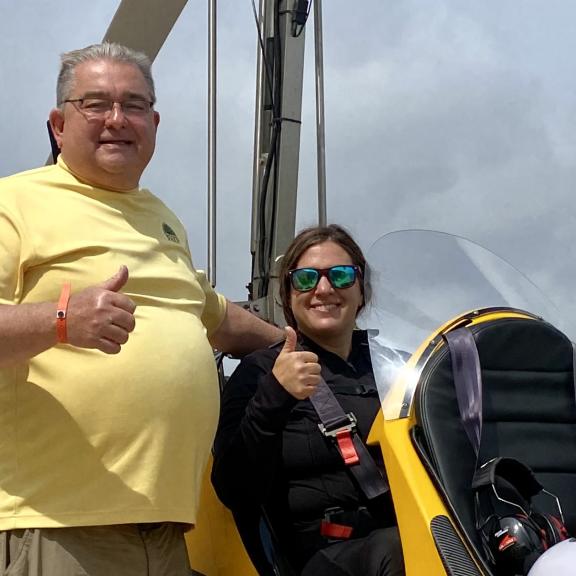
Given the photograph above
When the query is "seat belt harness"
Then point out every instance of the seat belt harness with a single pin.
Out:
(467, 382)
(335, 423)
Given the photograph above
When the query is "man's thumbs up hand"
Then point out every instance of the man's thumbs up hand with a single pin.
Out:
(101, 316)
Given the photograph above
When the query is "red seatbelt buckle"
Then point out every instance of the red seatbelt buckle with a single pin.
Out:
(335, 531)
(343, 437)
(346, 447)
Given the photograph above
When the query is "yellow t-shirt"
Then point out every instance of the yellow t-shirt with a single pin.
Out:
(88, 438)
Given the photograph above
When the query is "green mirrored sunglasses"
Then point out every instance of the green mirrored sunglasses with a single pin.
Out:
(306, 279)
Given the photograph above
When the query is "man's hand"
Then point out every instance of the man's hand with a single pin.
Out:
(100, 316)
(297, 372)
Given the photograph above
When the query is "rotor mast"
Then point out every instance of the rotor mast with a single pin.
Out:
(276, 146)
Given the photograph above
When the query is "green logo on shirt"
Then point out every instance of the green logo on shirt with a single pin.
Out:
(169, 233)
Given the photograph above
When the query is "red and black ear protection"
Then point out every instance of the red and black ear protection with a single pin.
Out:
(514, 534)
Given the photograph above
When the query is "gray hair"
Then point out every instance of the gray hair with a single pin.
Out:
(104, 51)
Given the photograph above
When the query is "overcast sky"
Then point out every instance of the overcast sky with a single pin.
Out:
(455, 115)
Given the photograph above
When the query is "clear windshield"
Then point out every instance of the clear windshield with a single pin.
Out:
(421, 280)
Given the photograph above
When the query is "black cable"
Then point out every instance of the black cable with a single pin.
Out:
(278, 70)
(263, 240)
(300, 16)
(263, 51)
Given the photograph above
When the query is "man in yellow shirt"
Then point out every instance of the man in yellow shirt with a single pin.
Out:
(108, 389)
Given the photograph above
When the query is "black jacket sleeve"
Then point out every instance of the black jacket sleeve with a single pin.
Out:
(248, 448)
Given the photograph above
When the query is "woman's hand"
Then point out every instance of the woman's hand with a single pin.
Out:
(297, 371)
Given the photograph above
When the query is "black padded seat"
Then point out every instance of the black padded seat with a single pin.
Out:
(529, 413)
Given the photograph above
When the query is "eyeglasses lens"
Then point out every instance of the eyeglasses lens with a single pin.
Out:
(305, 279)
(100, 107)
(342, 276)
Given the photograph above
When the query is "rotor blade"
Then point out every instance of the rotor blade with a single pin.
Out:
(144, 25)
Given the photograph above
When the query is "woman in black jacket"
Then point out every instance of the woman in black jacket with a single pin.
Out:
(270, 454)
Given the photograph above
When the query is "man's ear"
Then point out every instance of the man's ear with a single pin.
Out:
(156, 118)
(56, 119)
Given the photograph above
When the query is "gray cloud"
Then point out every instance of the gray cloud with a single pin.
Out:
(446, 114)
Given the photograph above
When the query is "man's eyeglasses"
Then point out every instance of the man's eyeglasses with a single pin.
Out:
(100, 107)
(306, 279)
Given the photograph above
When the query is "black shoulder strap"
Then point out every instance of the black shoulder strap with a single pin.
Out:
(467, 381)
(341, 426)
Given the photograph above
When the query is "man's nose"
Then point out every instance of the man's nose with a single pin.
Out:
(116, 116)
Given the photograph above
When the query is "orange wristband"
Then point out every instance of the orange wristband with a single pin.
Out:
(61, 313)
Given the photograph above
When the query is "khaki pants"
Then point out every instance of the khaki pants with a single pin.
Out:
(124, 550)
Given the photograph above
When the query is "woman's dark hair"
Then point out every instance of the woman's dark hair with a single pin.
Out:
(311, 237)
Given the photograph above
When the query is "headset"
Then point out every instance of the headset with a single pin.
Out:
(514, 534)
